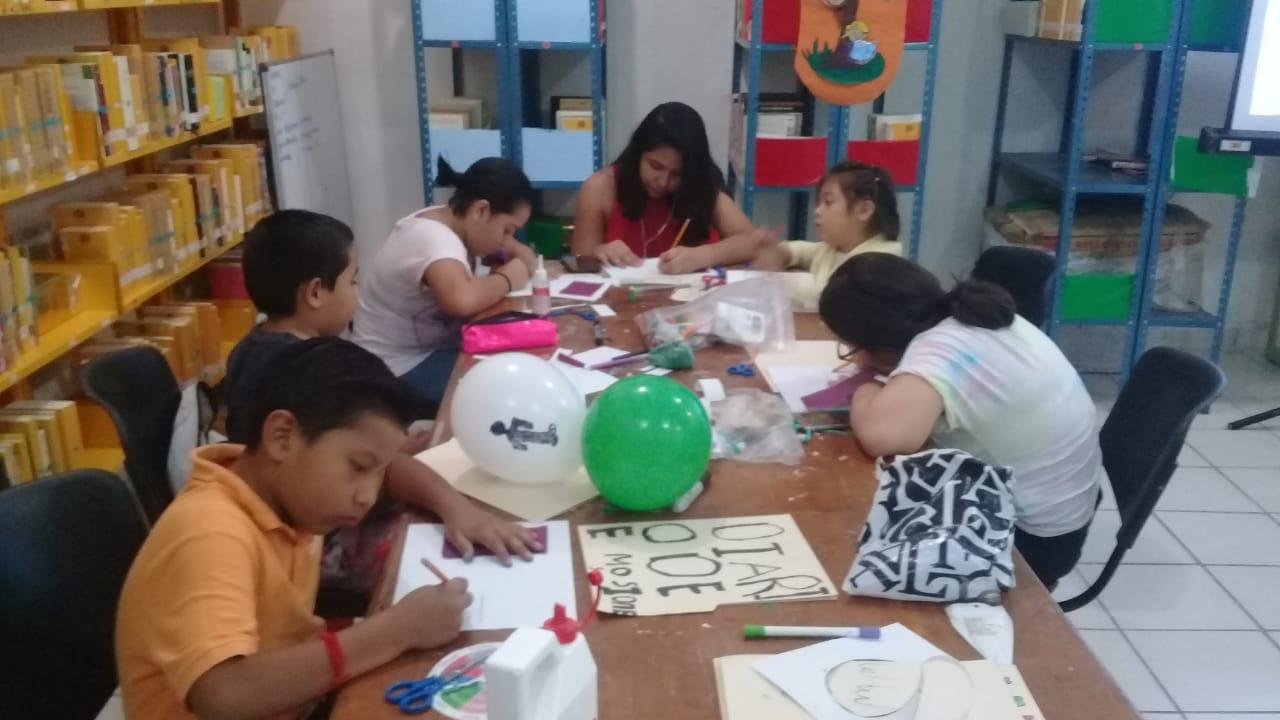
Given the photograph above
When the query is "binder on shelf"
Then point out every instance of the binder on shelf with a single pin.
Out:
(37, 444)
(54, 119)
(97, 92)
(27, 88)
(17, 458)
(14, 148)
(790, 161)
(24, 313)
(158, 225)
(208, 328)
(68, 421)
(225, 183)
(894, 127)
(49, 430)
(900, 158)
(136, 89)
(246, 165)
(180, 191)
(189, 59)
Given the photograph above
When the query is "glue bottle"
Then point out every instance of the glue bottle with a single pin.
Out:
(541, 290)
(545, 673)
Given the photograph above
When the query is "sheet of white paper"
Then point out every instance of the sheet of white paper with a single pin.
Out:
(794, 382)
(530, 502)
(696, 289)
(645, 271)
(745, 695)
(805, 369)
(603, 311)
(802, 674)
(587, 381)
(524, 594)
(597, 356)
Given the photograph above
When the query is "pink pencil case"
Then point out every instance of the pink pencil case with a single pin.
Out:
(508, 331)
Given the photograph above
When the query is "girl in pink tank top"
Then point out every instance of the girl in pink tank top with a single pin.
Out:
(664, 180)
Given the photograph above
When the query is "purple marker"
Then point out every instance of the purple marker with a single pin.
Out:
(779, 631)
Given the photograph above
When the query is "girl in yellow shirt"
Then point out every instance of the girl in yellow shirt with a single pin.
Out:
(856, 212)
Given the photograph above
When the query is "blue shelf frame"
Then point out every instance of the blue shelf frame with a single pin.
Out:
(1066, 173)
(1150, 316)
(420, 46)
(511, 85)
(749, 56)
(518, 97)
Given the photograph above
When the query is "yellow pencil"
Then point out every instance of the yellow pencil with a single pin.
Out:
(680, 235)
(435, 570)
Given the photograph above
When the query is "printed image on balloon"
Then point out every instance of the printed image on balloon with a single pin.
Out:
(519, 418)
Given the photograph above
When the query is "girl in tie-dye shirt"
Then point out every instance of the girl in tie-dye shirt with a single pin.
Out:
(965, 371)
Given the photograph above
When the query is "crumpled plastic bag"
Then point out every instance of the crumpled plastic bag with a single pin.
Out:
(941, 530)
(755, 314)
(754, 426)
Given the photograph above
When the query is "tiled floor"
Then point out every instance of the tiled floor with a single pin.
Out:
(1190, 625)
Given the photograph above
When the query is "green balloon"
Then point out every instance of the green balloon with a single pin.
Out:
(646, 442)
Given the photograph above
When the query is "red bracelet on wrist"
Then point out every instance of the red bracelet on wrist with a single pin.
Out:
(337, 659)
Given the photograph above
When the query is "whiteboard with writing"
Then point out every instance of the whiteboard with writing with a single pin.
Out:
(308, 150)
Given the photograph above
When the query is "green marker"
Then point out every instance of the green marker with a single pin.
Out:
(779, 631)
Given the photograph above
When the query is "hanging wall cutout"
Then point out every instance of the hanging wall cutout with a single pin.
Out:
(849, 51)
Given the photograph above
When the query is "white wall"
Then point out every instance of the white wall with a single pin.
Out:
(661, 50)
(373, 46)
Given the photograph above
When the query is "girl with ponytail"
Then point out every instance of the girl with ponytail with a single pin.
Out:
(855, 211)
(420, 288)
(965, 371)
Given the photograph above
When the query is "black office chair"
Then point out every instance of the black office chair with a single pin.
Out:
(1141, 440)
(66, 544)
(1027, 273)
(138, 389)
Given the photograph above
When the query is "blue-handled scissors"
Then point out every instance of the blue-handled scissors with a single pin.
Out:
(417, 696)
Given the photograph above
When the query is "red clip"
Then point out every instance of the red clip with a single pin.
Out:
(566, 629)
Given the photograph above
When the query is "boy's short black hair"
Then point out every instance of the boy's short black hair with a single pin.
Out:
(289, 248)
(327, 383)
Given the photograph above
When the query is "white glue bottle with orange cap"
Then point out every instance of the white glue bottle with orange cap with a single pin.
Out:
(545, 673)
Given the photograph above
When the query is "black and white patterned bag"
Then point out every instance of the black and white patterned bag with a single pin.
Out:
(941, 530)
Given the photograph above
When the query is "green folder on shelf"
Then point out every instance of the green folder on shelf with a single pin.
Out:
(1133, 21)
(1218, 22)
(1195, 171)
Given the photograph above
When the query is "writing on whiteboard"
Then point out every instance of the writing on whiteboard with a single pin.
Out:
(304, 116)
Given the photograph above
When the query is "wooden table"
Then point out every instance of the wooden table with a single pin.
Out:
(660, 667)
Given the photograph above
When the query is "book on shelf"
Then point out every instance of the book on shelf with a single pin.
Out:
(894, 127)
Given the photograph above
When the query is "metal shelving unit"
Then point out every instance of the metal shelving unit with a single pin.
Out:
(1066, 173)
(748, 59)
(519, 101)
(1150, 316)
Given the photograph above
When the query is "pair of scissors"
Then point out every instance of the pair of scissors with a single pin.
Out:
(417, 696)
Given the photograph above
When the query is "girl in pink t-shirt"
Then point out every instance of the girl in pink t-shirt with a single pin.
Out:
(419, 288)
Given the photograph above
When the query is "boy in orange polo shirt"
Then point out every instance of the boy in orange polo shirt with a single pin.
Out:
(215, 618)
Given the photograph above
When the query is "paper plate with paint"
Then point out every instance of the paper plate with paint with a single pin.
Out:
(467, 699)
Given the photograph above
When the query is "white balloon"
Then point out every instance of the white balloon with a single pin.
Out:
(520, 418)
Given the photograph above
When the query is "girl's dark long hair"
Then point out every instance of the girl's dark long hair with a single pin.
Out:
(679, 127)
(882, 302)
(497, 180)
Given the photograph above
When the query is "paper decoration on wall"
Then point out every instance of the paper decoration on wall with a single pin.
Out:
(849, 51)
(688, 566)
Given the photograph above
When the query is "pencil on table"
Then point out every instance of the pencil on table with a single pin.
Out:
(680, 235)
(435, 570)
